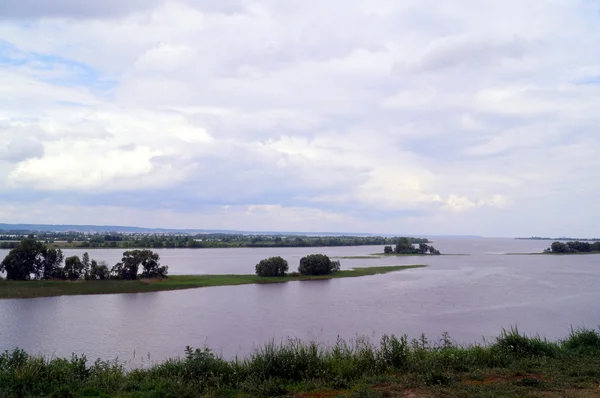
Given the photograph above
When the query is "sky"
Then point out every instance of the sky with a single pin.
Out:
(411, 116)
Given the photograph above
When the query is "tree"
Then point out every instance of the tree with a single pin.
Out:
(559, 247)
(99, 270)
(133, 259)
(117, 271)
(272, 266)
(388, 250)
(150, 264)
(74, 268)
(577, 246)
(25, 262)
(404, 246)
(335, 265)
(85, 260)
(317, 264)
(52, 264)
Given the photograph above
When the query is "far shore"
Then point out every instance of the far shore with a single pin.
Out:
(32, 289)
(551, 254)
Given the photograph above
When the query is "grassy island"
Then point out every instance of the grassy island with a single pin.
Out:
(513, 365)
(576, 247)
(46, 288)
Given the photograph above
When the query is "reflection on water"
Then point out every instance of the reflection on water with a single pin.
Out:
(468, 296)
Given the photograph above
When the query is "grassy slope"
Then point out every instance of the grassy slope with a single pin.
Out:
(513, 366)
(28, 289)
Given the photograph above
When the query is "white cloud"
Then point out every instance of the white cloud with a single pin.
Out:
(347, 115)
(461, 203)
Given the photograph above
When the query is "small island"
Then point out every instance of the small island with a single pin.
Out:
(35, 270)
(574, 247)
(406, 247)
(563, 238)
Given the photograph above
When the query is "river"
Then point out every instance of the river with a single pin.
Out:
(470, 296)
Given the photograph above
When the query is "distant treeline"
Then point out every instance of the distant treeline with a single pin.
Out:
(158, 241)
(405, 246)
(563, 239)
(573, 247)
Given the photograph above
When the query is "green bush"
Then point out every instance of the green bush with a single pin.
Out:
(514, 343)
(272, 266)
(317, 264)
(582, 338)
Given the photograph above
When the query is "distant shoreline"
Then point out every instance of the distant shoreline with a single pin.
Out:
(561, 239)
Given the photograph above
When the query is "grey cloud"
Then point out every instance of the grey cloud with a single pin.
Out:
(19, 149)
(449, 52)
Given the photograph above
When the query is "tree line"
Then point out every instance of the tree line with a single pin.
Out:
(313, 264)
(33, 260)
(199, 241)
(573, 247)
(406, 246)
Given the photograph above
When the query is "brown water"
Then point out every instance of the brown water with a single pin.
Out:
(471, 297)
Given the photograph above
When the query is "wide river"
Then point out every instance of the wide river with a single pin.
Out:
(470, 296)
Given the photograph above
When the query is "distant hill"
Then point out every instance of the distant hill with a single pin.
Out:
(25, 228)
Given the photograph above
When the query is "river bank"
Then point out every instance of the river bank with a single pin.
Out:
(31, 289)
(513, 365)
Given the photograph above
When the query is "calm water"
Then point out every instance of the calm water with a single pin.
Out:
(471, 297)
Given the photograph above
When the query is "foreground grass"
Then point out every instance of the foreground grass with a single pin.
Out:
(30, 289)
(512, 366)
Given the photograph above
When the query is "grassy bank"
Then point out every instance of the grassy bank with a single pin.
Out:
(29, 289)
(512, 366)
(369, 257)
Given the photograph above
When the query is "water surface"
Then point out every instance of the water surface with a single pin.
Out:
(470, 297)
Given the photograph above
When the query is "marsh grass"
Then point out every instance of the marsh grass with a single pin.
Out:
(513, 365)
(29, 289)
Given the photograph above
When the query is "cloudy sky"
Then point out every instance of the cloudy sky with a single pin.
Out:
(408, 116)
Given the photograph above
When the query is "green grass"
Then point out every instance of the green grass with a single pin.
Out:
(514, 365)
(30, 289)
(401, 255)
(369, 257)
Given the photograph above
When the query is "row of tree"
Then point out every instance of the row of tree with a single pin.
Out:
(216, 240)
(406, 246)
(313, 264)
(573, 247)
(33, 260)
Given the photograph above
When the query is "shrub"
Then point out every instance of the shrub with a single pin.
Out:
(388, 250)
(317, 264)
(514, 343)
(582, 338)
(272, 266)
